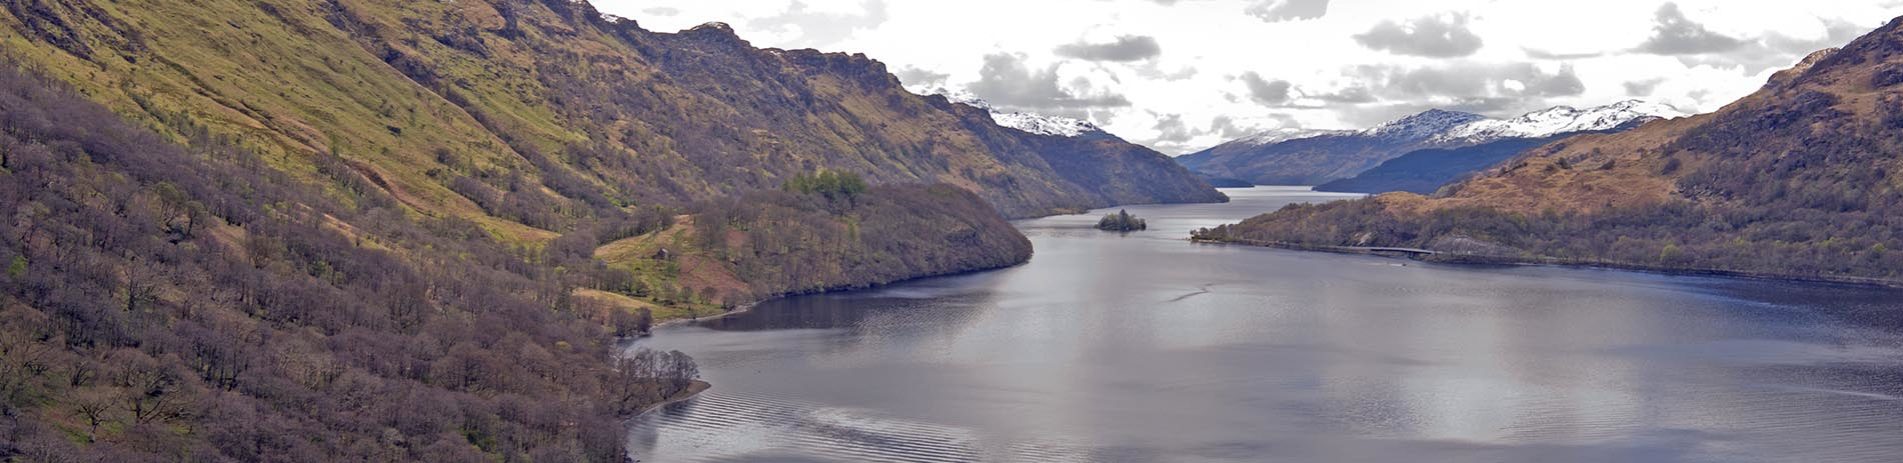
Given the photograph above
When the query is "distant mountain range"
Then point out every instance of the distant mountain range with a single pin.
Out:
(1304, 157)
(1029, 122)
(1426, 171)
(1798, 180)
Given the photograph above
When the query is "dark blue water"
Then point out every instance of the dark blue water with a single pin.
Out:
(1144, 347)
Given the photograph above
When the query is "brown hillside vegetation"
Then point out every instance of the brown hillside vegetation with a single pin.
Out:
(374, 231)
(166, 302)
(535, 116)
(1795, 180)
(768, 244)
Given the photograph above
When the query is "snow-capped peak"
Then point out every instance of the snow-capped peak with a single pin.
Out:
(1044, 125)
(1033, 123)
(1424, 125)
(1559, 120)
(1439, 127)
(1283, 134)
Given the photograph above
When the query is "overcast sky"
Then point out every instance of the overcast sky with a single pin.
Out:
(1181, 75)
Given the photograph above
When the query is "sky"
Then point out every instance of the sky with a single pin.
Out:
(1183, 75)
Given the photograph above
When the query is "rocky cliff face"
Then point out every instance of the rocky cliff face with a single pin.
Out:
(512, 94)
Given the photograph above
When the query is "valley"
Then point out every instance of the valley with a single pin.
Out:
(1223, 230)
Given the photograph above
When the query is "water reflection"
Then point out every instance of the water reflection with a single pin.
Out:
(1141, 347)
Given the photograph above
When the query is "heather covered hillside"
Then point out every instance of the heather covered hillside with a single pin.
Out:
(501, 110)
(185, 302)
(1795, 180)
(804, 239)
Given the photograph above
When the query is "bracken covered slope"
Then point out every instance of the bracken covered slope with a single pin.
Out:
(443, 102)
(1796, 180)
(167, 302)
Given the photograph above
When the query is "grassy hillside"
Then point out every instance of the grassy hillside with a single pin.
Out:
(532, 117)
(187, 302)
(773, 243)
(399, 231)
(1795, 180)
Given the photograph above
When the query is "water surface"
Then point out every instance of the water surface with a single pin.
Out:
(1143, 347)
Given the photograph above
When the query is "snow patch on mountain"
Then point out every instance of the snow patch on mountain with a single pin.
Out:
(1028, 122)
(1557, 120)
(1439, 127)
(1279, 135)
(1425, 125)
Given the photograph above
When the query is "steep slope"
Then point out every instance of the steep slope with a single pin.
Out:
(569, 110)
(1795, 180)
(195, 296)
(168, 302)
(1307, 158)
(1426, 171)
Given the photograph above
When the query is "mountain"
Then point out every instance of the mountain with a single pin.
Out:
(1426, 171)
(423, 94)
(1038, 124)
(1558, 121)
(312, 230)
(1309, 158)
(1797, 180)
(1084, 154)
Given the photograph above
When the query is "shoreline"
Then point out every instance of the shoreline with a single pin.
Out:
(692, 391)
(748, 307)
(742, 308)
(1483, 260)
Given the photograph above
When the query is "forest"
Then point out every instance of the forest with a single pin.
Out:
(829, 231)
(168, 301)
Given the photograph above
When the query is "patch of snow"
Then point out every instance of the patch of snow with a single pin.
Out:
(1424, 125)
(1441, 127)
(1279, 135)
(1028, 122)
(1559, 120)
(1044, 125)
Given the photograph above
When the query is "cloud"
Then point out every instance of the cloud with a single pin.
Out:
(1674, 34)
(1471, 81)
(1123, 49)
(1535, 53)
(1443, 36)
(1383, 92)
(1350, 95)
(1265, 91)
(915, 77)
(1171, 129)
(818, 28)
(1226, 127)
(1007, 81)
(1642, 87)
(1287, 10)
(1775, 50)
(662, 11)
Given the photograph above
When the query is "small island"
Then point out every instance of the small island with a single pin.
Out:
(1121, 221)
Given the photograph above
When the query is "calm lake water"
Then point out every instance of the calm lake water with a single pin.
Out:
(1144, 347)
